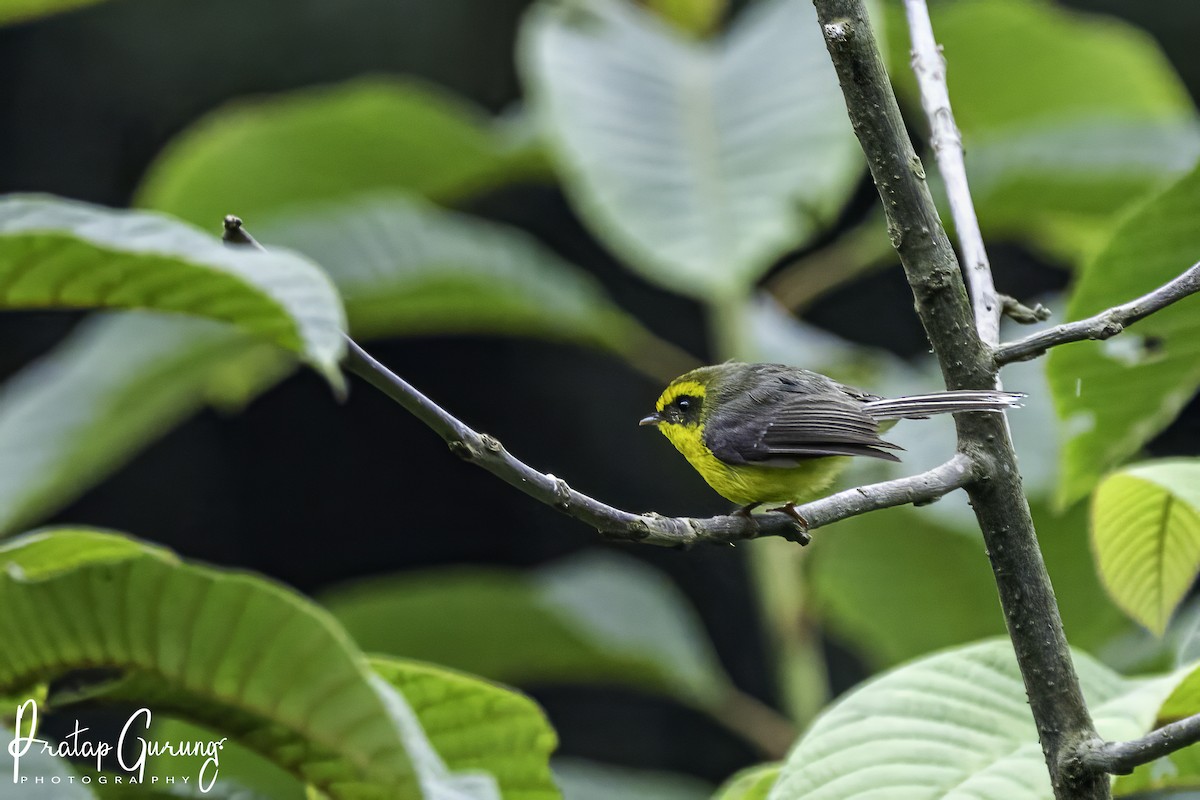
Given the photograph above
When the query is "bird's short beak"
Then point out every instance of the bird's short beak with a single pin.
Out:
(653, 419)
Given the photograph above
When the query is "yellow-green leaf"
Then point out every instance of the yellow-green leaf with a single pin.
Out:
(1146, 537)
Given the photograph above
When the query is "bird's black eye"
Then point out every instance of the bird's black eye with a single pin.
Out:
(684, 404)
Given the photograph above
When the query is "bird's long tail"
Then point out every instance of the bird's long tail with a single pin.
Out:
(924, 405)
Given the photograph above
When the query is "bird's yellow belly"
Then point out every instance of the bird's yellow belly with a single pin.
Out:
(747, 484)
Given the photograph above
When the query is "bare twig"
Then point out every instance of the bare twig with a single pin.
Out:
(967, 362)
(1120, 758)
(1022, 314)
(1104, 325)
(487, 452)
(930, 68)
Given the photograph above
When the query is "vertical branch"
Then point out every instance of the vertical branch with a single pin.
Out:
(967, 362)
(930, 68)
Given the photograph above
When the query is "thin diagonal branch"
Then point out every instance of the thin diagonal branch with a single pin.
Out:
(1120, 758)
(930, 68)
(487, 452)
(1104, 325)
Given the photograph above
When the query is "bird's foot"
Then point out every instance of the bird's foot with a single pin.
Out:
(744, 511)
(802, 535)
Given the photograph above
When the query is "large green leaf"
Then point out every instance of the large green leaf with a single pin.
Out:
(593, 618)
(1065, 115)
(474, 737)
(955, 725)
(1116, 395)
(116, 384)
(1146, 537)
(13, 11)
(229, 650)
(698, 163)
(404, 268)
(62, 254)
(753, 783)
(478, 728)
(256, 157)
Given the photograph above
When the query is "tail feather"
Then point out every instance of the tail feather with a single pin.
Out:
(923, 405)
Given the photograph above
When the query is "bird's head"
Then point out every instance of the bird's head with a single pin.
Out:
(682, 405)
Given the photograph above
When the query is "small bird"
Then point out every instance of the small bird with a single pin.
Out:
(769, 433)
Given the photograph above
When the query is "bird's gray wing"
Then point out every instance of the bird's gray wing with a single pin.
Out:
(776, 426)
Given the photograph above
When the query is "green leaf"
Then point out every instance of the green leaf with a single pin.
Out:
(407, 268)
(470, 737)
(16, 11)
(1146, 537)
(243, 774)
(595, 618)
(695, 17)
(1116, 395)
(952, 725)
(581, 779)
(1065, 115)
(404, 268)
(62, 254)
(753, 783)
(229, 650)
(479, 727)
(115, 385)
(256, 157)
(698, 164)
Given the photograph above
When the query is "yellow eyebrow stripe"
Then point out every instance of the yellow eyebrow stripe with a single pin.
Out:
(689, 388)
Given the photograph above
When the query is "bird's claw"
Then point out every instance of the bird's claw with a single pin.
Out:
(802, 535)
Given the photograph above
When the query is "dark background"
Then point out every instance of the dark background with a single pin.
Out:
(314, 493)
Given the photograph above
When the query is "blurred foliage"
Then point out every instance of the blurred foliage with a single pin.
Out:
(1114, 396)
(700, 144)
(678, 155)
(697, 17)
(1066, 117)
(15, 11)
(333, 143)
(596, 618)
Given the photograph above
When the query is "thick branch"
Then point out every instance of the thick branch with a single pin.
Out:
(930, 68)
(1120, 758)
(1030, 610)
(487, 452)
(1104, 325)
